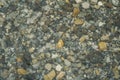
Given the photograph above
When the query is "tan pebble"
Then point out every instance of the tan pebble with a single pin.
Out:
(5, 73)
(116, 72)
(109, 5)
(42, 56)
(71, 58)
(102, 45)
(76, 11)
(62, 58)
(60, 44)
(96, 6)
(60, 75)
(46, 77)
(67, 1)
(31, 49)
(18, 59)
(105, 37)
(1, 4)
(83, 38)
(97, 72)
(78, 21)
(34, 61)
(21, 71)
(50, 75)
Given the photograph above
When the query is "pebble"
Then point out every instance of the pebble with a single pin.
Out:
(116, 72)
(100, 3)
(71, 58)
(21, 71)
(31, 49)
(58, 67)
(30, 36)
(55, 55)
(105, 37)
(67, 63)
(50, 75)
(83, 38)
(97, 71)
(102, 45)
(108, 5)
(41, 56)
(19, 59)
(2, 18)
(85, 5)
(119, 67)
(48, 66)
(78, 21)
(60, 44)
(94, 1)
(67, 1)
(101, 24)
(108, 59)
(116, 2)
(78, 1)
(76, 11)
(5, 74)
(60, 75)
(36, 65)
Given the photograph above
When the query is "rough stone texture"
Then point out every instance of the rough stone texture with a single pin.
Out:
(59, 39)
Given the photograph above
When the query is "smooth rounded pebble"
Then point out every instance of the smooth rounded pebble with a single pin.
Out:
(85, 5)
(115, 2)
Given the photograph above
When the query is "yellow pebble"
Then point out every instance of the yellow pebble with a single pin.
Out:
(76, 11)
(102, 45)
(60, 44)
(78, 21)
(21, 71)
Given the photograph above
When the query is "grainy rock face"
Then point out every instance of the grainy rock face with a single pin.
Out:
(59, 39)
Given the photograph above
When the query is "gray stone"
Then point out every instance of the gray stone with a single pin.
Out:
(94, 1)
(67, 63)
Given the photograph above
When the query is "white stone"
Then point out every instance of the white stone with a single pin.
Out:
(119, 67)
(115, 2)
(78, 1)
(54, 55)
(101, 24)
(48, 66)
(31, 49)
(58, 67)
(100, 3)
(108, 59)
(85, 5)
